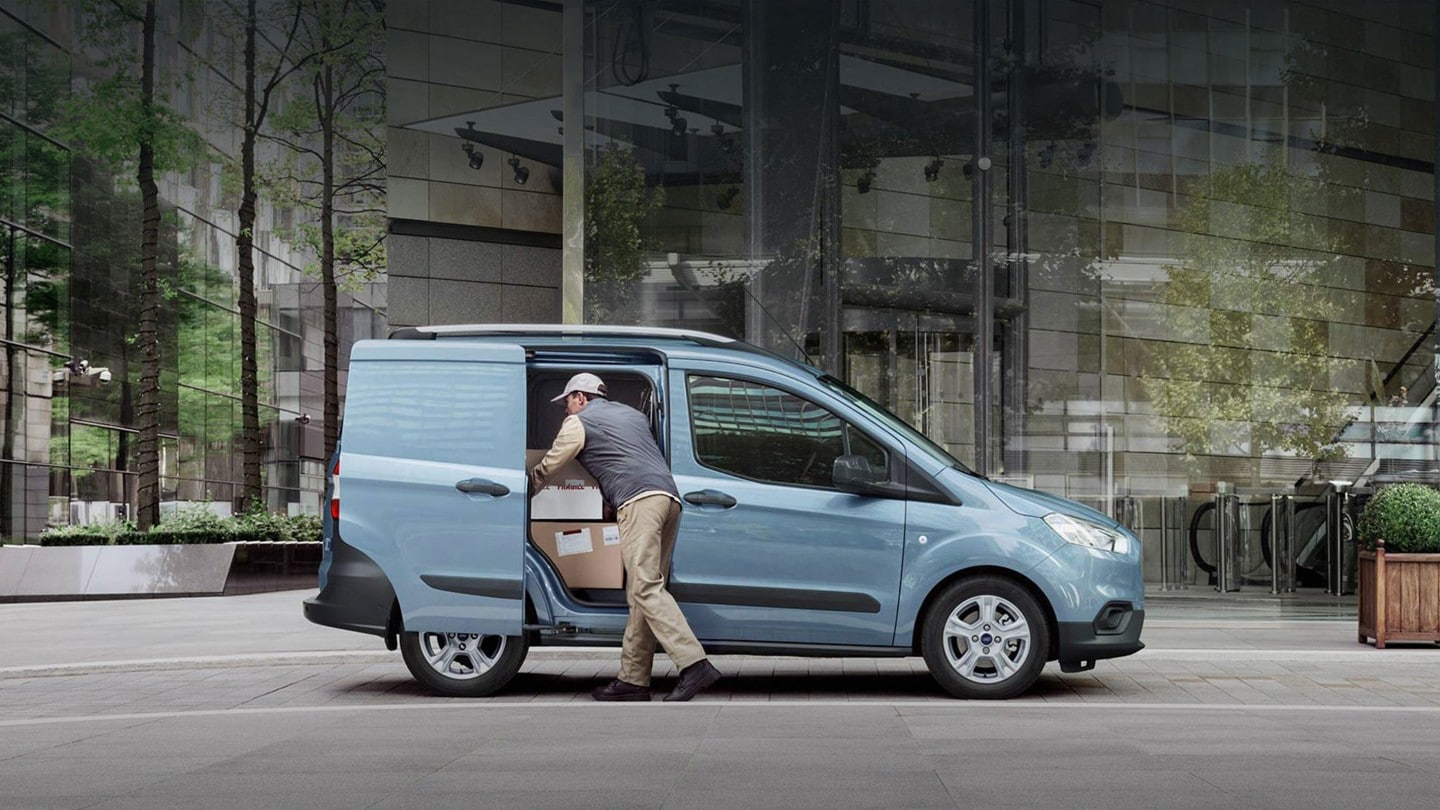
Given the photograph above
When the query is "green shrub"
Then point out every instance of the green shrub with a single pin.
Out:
(87, 534)
(191, 525)
(306, 528)
(1405, 516)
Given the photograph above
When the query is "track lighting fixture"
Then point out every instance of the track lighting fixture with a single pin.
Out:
(932, 170)
(678, 125)
(862, 183)
(477, 158)
(522, 173)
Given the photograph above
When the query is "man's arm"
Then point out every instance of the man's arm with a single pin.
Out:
(568, 444)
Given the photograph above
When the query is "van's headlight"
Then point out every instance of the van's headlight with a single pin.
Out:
(1085, 533)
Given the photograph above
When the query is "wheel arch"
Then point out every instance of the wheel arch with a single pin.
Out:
(1051, 623)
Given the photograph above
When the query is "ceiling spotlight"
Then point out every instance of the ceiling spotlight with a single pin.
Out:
(1084, 153)
(727, 197)
(522, 173)
(678, 125)
(932, 170)
(477, 158)
(862, 183)
(1046, 155)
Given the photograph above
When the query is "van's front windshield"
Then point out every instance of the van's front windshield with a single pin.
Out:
(879, 413)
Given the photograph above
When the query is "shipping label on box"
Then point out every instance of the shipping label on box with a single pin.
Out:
(611, 535)
(575, 541)
(577, 557)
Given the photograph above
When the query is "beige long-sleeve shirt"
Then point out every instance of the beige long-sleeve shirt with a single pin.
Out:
(568, 444)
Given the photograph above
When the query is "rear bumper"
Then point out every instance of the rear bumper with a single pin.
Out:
(1113, 633)
(357, 595)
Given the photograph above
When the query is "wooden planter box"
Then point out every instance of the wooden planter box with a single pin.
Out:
(1399, 596)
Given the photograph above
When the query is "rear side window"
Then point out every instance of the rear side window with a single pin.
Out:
(755, 431)
(430, 411)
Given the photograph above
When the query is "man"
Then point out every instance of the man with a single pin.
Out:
(613, 442)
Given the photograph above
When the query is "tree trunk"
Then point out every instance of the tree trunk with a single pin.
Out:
(147, 511)
(244, 243)
(327, 258)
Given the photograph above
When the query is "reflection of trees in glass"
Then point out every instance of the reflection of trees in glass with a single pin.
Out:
(1246, 368)
(334, 163)
(617, 203)
(34, 193)
(207, 345)
(123, 119)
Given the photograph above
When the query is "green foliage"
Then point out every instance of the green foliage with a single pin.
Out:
(1247, 368)
(191, 525)
(109, 115)
(617, 203)
(342, 43)
(1405, 516)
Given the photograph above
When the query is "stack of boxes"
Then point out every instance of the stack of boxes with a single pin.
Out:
(567, 524)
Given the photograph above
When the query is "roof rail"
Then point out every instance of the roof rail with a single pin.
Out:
(558, 330)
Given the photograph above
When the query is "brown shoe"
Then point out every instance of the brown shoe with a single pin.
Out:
(621, 690)
(694, 679)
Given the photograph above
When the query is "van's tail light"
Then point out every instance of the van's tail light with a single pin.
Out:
(335, 491)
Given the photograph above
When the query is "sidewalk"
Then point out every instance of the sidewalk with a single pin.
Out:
(269, 629)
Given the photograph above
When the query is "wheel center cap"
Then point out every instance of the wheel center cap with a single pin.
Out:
(986, 639)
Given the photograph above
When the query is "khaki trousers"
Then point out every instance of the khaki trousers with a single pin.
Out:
(647, 542)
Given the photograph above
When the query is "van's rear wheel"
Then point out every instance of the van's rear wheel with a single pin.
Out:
(985, 638)
(463, 664)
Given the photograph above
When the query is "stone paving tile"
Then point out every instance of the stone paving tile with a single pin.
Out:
(746, 679)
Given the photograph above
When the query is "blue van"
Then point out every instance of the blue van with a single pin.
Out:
(815, 522)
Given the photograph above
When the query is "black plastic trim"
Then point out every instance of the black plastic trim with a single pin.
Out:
(475, 233)
(1078, 642)
(773, 597)
(411, 333)
(357, 595)
(476, 586)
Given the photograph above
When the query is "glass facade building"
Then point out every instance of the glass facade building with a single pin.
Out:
(1133, 252)
(70, 372)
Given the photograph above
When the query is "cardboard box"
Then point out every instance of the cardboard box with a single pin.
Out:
(587, 554)
(572, 493)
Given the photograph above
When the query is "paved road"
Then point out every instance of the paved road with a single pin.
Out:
(239, 703)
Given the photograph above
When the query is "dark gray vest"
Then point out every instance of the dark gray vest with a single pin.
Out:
(621, 452)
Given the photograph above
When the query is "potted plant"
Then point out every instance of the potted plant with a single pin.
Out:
(1399, 578)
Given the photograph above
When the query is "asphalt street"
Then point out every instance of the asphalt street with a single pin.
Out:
(238, 702)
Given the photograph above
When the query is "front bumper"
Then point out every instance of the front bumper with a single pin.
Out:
(1113, 633)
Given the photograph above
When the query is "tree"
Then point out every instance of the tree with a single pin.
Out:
(254, 107)
(334, 160)
(123, 119)
(617, 203)
(1247, 369)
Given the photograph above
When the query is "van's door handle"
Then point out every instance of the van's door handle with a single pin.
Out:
(710, 497)
(484, 485)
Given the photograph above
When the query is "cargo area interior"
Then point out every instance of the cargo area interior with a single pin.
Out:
(568, 520)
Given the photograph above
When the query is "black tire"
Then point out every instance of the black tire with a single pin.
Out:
(463, 664)
(967, 667)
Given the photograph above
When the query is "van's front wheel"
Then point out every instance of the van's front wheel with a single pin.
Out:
(985, 638)
(463, 664)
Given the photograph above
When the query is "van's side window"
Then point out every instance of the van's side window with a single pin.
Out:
(762, 433)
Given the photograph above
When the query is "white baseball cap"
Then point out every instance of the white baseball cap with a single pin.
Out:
(585, 382)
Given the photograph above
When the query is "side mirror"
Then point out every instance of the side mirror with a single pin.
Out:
(854, 474)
